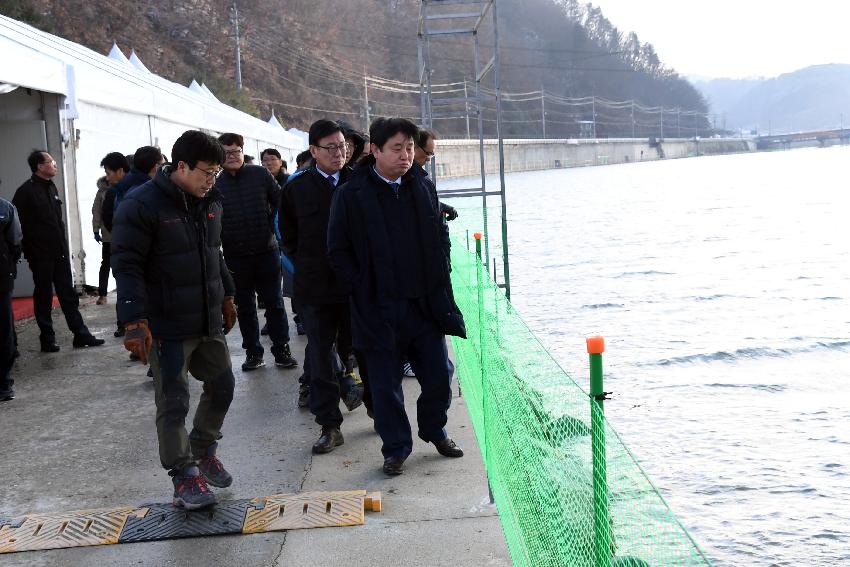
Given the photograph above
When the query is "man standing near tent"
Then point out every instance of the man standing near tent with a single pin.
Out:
(146, 160)
(250, 198)
(116, 166)
(10, 253)
(176, 295)
(46, 249)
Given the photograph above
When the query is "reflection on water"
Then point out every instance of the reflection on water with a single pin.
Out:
(722, 286)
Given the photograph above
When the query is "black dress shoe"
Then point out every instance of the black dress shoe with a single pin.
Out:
(119, 332)
(49, 347)
(82, 341)
(393, 466)
(7, 395)
(330, 439)
(448, 448)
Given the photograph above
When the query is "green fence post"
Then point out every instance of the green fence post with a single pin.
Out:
(601, 525)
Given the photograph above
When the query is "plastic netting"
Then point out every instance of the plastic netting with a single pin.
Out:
(533, 423)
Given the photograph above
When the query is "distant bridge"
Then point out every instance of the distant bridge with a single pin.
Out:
(798, 139)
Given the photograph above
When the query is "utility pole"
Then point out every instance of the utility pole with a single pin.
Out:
(662, 122)
(633, 119)
(238, 52)
(543, 109)
(678, 118)
(593, 109)
(466, 105)
(366, 98)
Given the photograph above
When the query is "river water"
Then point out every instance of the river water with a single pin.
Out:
(722, 287)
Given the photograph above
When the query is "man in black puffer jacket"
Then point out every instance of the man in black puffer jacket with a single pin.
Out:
(175, 294)
(250, 197)
(10, 253)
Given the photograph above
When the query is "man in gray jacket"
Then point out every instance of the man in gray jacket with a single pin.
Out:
(116, 166)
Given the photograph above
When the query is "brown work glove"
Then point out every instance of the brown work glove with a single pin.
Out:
(228, 310)
(138, 339)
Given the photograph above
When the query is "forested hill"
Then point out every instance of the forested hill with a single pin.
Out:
(307, 58)
(812, 98)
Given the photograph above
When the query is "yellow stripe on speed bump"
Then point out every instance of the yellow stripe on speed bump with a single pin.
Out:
(306, 510)
(70, 529)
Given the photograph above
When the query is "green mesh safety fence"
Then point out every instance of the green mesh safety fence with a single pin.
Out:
(533, 423)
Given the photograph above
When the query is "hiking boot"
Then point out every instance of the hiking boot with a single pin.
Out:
(330, 439)
(7, 394)
(283, 357)
(191, 491)
(351, 390)
(83, 341)
(253, 363)
(101, 300)
(353, 398)
(303, 396)
(212, 469)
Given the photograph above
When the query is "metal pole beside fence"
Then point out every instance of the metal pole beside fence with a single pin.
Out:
(601, 524)
(480, 270)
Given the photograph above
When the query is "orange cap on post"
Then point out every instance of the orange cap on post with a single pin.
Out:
(595, 345)
(477, 236)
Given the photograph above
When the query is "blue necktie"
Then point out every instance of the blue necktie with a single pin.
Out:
(395, 187)
(331, 180)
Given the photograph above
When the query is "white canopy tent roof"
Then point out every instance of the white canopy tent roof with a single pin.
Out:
(41, 61)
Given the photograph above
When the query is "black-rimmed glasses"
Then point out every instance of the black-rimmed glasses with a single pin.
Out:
(334, 148)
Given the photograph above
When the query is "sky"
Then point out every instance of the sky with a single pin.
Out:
(737, 38)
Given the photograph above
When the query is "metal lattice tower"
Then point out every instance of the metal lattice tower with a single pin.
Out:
(442, 19)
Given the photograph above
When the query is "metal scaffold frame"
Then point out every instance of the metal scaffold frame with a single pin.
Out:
(450, 18)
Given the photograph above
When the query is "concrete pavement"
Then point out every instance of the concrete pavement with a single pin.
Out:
(80, 435)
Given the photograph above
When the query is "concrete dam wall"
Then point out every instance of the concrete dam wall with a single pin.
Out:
(460, 158)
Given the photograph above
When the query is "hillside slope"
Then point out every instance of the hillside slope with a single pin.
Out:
(306, 59)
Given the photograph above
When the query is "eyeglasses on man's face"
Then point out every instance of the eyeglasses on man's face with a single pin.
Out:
(334, 148)
(211, 174)
(233, 153)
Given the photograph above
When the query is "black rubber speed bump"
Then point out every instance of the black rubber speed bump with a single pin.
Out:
(164, 521)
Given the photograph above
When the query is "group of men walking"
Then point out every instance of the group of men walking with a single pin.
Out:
(193, 243)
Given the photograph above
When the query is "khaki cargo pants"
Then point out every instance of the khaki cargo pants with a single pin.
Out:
(208, 359)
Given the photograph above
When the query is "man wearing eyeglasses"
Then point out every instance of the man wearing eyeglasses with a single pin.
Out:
(322, 299)
(176, 297)
(422, 154)
(250, 197)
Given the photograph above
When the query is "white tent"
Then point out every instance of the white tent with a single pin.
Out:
(81, 105)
